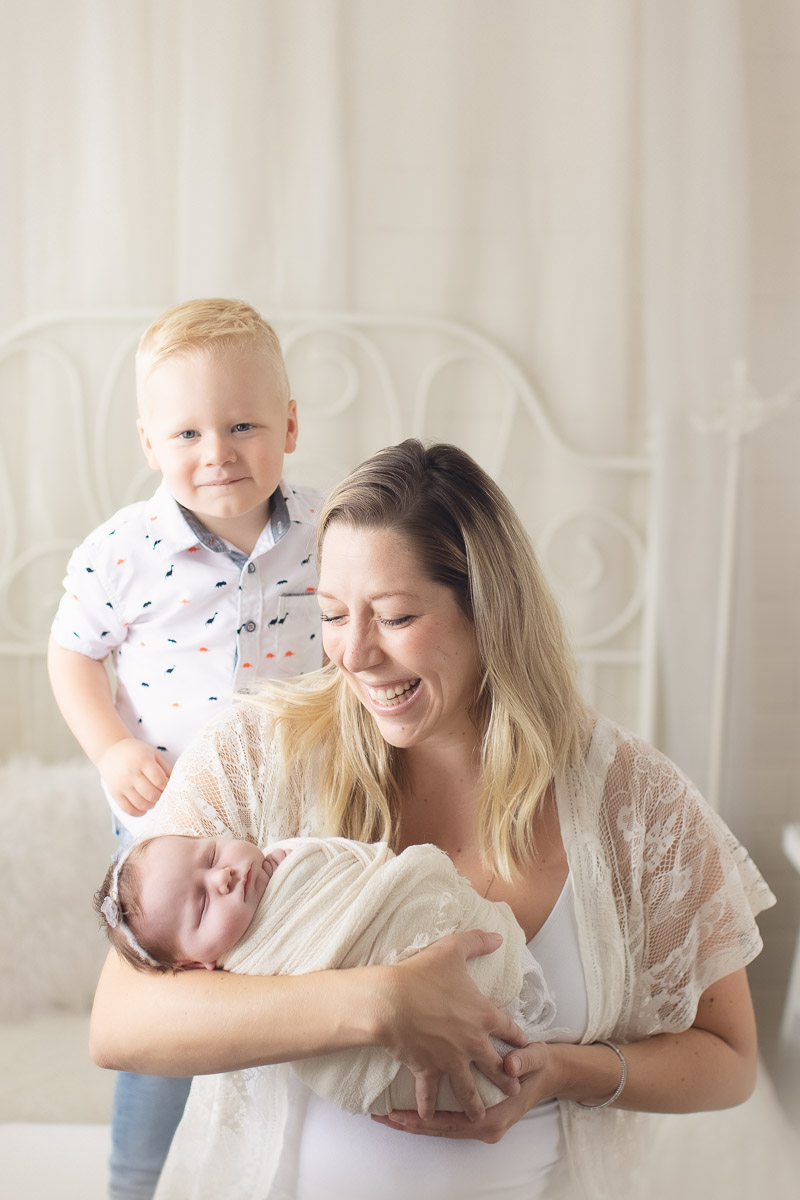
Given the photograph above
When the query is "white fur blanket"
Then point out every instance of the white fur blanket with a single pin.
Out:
(334, 903)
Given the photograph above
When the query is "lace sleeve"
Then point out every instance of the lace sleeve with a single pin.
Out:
(222, 781)
(687, 890)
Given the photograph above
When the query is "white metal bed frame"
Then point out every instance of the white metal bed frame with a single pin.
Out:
(362, 380)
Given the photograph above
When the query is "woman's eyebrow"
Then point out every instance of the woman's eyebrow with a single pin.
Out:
(374, 595)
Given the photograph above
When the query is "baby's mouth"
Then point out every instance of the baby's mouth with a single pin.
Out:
(391, 697)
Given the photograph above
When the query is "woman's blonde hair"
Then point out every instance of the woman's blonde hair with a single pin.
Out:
(212, 326)
(467, 536)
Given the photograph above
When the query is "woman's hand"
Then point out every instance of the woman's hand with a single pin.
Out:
(437, 1022)
(536, 1083)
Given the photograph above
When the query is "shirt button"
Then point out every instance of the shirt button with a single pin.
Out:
(251, 567)
(250, 626)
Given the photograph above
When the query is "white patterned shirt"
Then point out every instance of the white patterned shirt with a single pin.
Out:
(188, 619)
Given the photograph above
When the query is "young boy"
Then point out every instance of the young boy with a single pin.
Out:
(193, 594)
(210, 584)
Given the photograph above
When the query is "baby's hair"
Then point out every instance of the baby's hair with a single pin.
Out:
(116, 902)
(213, 326)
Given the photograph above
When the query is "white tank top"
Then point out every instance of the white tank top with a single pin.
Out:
(333, 1155)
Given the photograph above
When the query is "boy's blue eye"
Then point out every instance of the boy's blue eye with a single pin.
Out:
(188, 434)
(242, 427)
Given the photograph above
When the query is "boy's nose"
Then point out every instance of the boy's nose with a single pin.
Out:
(218, 450)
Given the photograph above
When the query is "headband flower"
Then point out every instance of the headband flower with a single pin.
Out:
(112, 912)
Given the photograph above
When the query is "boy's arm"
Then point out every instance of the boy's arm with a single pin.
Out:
(133, 771)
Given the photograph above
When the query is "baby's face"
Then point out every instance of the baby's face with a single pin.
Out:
(199, 895)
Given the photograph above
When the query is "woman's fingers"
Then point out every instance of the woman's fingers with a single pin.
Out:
(493, 1067)
(491, 1128)
(508, 1031)
(521, 1062)
(426, 1088)
(441, 1024)
(465, 1091)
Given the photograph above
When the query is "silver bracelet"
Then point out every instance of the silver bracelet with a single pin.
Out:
(623, 1077)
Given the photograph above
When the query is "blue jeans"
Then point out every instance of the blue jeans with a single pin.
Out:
(147, 1109)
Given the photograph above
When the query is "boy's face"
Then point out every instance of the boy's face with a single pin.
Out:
(217, 427)
(199, 895)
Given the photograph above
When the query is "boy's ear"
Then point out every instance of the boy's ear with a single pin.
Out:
(291, 428)
(147, 448)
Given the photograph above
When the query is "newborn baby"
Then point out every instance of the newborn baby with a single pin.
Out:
(179, 903)
(306, 904)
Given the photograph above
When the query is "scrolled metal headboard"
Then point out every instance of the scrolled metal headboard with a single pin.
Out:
(69, 457)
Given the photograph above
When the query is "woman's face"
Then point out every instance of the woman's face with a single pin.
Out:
(401, 641)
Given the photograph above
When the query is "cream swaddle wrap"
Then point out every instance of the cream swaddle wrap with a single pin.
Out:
(335, 903)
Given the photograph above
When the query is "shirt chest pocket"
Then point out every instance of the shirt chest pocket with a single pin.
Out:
(298, 639)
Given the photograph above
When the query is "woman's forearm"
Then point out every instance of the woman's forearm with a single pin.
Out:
(425, 1011)
(201, 1022)
(712, 1065)
(670, 1073)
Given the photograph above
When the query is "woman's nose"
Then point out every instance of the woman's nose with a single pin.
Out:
(362, 647)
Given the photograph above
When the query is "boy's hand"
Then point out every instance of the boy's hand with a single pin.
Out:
(134, 773)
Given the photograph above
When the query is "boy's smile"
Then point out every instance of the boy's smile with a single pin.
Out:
(217, 427)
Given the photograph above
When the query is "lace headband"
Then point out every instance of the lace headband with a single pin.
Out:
(110, 908)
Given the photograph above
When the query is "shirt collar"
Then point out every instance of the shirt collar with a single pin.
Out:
(175, 528)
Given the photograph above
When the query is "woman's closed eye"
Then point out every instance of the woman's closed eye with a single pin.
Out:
(386, 622)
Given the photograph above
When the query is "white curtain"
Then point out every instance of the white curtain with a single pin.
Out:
(565, 175)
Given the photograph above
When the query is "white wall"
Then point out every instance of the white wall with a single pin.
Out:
(768, 703)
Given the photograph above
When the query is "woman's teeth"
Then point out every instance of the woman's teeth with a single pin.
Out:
(392, 696)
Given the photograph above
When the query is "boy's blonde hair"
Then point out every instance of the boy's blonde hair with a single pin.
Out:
(212, 326)
(527, 711)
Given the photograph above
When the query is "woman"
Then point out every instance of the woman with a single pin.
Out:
(449, 714)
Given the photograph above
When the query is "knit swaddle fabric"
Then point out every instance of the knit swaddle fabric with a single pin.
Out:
(336, 903)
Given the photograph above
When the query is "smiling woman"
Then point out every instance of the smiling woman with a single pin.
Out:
(411, 655)
(449, 714)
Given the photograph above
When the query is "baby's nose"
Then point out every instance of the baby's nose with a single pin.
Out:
(225, 878)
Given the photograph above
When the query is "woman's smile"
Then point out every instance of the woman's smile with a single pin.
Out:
(397, 695)
(401, 640)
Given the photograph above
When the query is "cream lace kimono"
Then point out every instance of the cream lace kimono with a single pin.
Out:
(665, 902)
